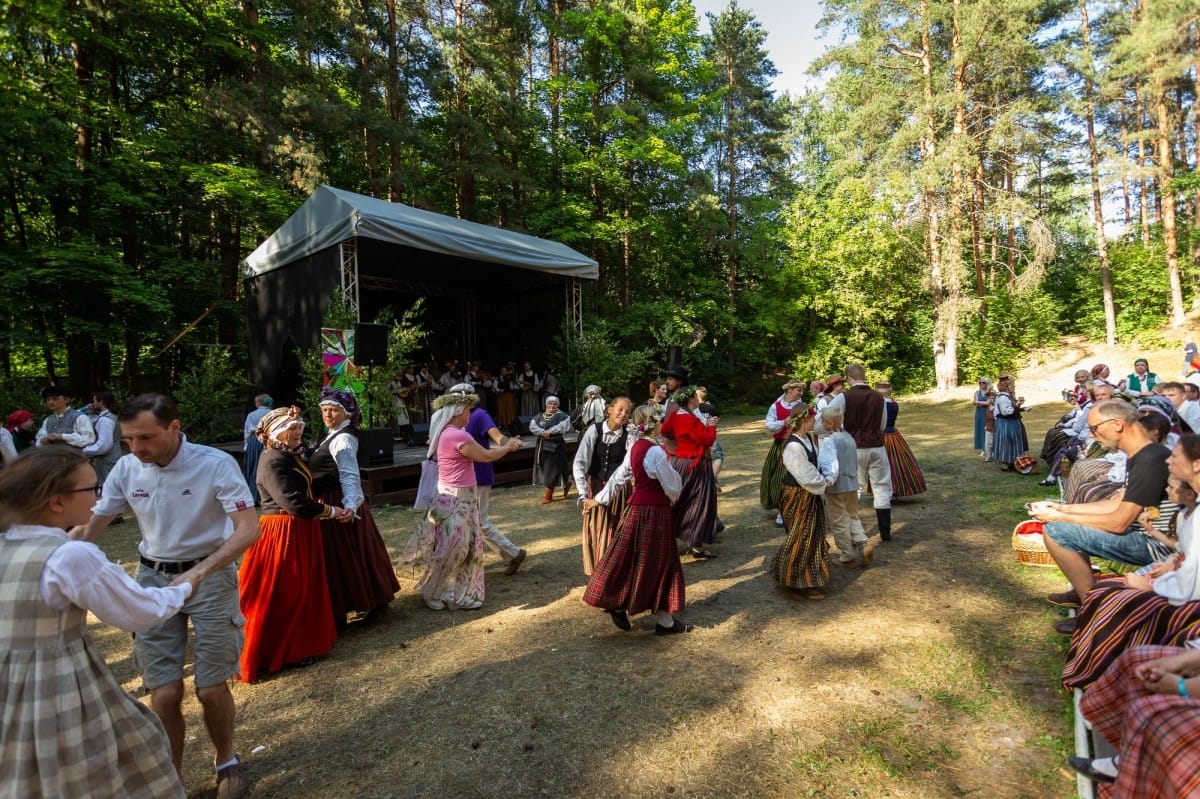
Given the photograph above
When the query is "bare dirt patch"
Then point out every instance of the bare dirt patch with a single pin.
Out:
(932, 674)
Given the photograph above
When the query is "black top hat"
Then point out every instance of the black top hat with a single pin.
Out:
(675, 363)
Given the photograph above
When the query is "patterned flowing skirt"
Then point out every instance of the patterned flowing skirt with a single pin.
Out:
(907, 478)
(695, 512)
(448, 548)
(640, 570)
(1157, 735)
(772, 477)
(1010, 442)
(600, 524)
(357, 563)
(1115, 618)
(284, 596)
(800, 562)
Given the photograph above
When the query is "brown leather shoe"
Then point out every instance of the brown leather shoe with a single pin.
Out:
(515, 563)
(548, 497)
(232, 782)
(1066, 599)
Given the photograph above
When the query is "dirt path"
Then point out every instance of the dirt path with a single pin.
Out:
(931, 674)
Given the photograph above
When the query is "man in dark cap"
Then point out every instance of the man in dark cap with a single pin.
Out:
(64, 425)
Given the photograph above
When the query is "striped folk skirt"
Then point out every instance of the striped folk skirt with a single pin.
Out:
(600, 524)
(1114, 619)
(800, 562)
(1157, 735)
(640, 570)
(695, 512)
(772, 477)
(907, 478)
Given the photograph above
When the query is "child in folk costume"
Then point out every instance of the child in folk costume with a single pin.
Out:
(640, 570)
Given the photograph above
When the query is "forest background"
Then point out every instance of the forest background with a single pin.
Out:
(972, 179)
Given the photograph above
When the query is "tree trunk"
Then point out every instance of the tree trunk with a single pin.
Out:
(1106, 282)
(1167, 196)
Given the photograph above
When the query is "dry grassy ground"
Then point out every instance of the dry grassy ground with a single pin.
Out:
(932, 674)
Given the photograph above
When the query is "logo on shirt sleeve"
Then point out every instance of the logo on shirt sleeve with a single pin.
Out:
(187, 492)
(240, 505)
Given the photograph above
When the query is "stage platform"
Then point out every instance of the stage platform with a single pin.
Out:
(397, 483)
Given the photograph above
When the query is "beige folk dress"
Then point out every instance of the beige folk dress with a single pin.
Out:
(66, 727)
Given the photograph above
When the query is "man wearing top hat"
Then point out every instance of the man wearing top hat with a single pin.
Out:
(64, 425)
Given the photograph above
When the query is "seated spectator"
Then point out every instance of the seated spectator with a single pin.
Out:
(1069, 438)
(1137, 609)
(1144, 708)
(1142, 382)
(1076, 532)
(1189, 412)
(1101, 372)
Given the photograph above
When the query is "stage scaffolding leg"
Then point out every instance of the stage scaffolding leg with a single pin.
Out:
(348, 250)
(575, 303)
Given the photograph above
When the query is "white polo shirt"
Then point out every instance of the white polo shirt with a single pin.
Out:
(182, 508)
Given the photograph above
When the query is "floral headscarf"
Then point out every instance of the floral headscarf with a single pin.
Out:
(344, 400)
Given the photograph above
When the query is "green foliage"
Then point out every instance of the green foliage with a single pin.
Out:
(404, 337)
(1013, 325)
(1140, 288)
(596, 356)
(210, 397)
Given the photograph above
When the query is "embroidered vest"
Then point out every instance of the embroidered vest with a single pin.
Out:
(782, 412)
(607, 457)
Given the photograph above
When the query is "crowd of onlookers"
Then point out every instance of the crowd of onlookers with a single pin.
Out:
(1126, 460)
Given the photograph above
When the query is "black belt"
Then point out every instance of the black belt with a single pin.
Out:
(167, 567)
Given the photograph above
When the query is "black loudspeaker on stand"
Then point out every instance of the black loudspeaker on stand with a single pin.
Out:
(370, 344)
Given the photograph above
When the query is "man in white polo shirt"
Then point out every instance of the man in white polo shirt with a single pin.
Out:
(196, 515)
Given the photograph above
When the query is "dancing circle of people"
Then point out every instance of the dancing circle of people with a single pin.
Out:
(270, 565)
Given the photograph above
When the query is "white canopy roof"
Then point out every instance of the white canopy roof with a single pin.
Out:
(332, 215)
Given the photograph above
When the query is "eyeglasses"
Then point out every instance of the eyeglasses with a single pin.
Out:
(96, 489)
(1092, 428)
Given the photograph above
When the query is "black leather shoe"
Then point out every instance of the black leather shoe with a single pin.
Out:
(1084, 766)
(1066, 626)
(621, 619)
(1049, 481)
(677, 627)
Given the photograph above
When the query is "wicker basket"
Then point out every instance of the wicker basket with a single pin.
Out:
(1030, 548)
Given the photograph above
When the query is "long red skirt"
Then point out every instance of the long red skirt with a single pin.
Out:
(640, 570)
(284, 596)
(357, 564)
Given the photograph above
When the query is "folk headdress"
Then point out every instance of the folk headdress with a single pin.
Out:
(271, 426)
(344, 400)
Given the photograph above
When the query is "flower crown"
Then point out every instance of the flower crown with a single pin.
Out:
(684, 394)
(454, 399)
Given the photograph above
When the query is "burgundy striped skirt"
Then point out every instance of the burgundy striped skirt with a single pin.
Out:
(695, 512)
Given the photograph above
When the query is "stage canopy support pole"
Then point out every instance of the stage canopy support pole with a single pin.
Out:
(348, 250)
(575, 303)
